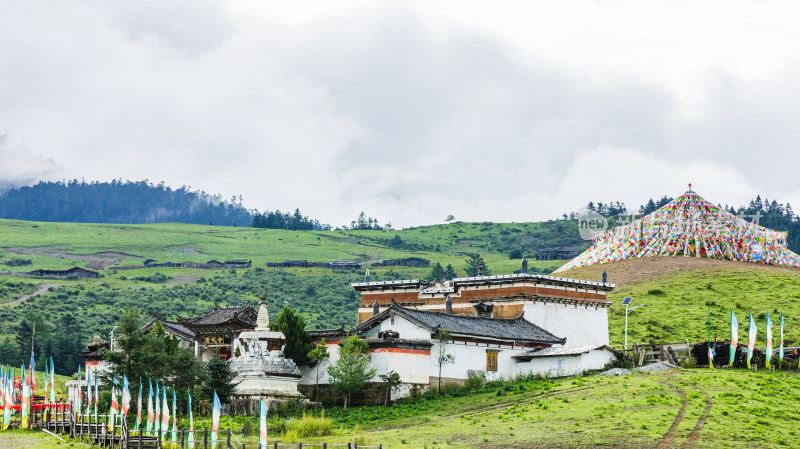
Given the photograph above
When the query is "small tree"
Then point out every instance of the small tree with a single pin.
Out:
(351, 372)
(475, 261)
(319, 356)
(437, 272)
(449, 218)
(449, 272)
(443, 357)
(219, 379)
(298, 342)
(392, 380)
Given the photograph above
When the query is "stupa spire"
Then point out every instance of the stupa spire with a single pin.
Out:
(262, 321)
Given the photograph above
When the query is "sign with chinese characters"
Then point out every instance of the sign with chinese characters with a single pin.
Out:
(213, 340)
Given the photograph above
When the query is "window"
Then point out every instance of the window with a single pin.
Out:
(491, 361)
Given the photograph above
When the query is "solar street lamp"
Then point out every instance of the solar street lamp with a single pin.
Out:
(626, 302)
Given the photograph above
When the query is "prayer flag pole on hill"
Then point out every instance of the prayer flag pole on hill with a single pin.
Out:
(734, 338)
(710, 352)
(751, 338)
(780, 351)
(768, 354)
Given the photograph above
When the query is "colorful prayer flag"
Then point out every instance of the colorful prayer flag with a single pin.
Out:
(164, 411)
(25, 407)
(215, 414)
(734, 338)
(751, 338)
(80, 392)
(710, 352)
(150, 416)
(768, 352)
(174, 417)
(780, 351)
(157, 418)
(138, 424)
(126, 396)
(52, 380)
(190, 438)
(262, 426)
(88, 391)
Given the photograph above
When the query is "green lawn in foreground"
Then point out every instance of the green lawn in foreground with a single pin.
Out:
(33, 439)
(738, 409)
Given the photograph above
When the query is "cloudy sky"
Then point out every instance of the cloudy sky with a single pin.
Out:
(410, 111)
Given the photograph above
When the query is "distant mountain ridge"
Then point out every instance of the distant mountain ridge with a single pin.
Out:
(119, 202)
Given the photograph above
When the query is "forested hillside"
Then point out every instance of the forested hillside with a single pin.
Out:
(119, 202)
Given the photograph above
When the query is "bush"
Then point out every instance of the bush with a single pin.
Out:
(475, 382)
(309, 426)
(515, 254)
(16, 262)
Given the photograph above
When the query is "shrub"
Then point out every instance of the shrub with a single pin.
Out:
(475, 382)
(16, 262)
(309, 426)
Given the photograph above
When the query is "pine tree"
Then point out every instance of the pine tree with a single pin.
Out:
(219, 380)
(437, 273)
(449, 272)
(475, 261)
(298, 342)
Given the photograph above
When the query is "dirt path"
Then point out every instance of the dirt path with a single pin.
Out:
(664, 443)
(42, 288)
(693, 437)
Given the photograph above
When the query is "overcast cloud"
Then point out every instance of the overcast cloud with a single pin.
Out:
(516, 111)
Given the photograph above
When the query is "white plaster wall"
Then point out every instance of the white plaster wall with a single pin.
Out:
(566, 365)
(580, 325)
(473, 357)
(309, 374)
(406, 329)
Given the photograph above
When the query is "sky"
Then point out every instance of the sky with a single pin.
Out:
(409, 111)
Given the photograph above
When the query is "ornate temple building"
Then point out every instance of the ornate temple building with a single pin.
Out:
(240, 335)
(571, 308)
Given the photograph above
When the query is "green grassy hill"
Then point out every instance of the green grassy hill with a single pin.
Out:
(323, 296)
(678, 292)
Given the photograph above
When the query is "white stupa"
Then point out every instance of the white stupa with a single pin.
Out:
(260, 366)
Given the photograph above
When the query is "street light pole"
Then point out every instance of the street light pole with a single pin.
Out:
(627, 311)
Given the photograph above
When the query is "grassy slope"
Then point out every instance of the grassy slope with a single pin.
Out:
(678, 291)
(737, 408)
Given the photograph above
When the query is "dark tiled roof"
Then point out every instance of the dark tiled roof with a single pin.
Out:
(514, 329)
(171, 327)
(561, 351)
(327, 333)
(244, 315)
